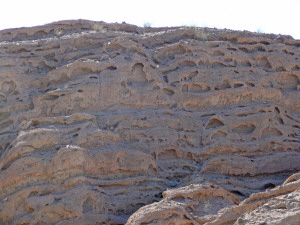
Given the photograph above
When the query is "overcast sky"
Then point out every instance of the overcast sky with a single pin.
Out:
(270, 16)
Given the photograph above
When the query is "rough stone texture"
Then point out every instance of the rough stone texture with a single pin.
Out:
(113, 124)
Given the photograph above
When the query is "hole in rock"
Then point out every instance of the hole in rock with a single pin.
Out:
(159, 195)
(214, 123)
(57, 199)
(171, 52)
(219, 134)
(88, 205)
(261, 49)
(238, 85)
(277, 109)
(244, 49)
(228, 60)
(51, 97)
(8, 86)
(185, 88)
(269, 186)
(217, 65)
(167, 154)
(236, 192)
(138, 76)
(168, 91)
(155, 87)
(192, 75)
(269, 132)
(280, 121)
(166, 79)
(187, 63)
(250, 84)
(244, 129)
(288, 81)
(111, 68)
(198, 88)
(242, 115)
(218, 53)
(246, 63)
(33, 193)
(296, 67)
(224, 85)
(232, 49)
(264, 62)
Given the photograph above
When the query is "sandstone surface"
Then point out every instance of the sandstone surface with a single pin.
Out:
(117, 124)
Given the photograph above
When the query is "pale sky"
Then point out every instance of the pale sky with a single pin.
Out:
(269, 16)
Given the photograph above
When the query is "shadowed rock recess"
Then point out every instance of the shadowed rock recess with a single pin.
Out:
(116, 124)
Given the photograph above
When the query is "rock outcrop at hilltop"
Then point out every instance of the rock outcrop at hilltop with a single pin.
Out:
(112, 124)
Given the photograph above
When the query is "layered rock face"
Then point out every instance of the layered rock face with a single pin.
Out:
(113, 124)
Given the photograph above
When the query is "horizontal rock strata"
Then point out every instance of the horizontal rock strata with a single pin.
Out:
(112, 124)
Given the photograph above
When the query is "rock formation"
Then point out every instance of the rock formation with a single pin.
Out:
(112, 124)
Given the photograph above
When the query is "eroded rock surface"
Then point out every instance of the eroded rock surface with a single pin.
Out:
(113, 124)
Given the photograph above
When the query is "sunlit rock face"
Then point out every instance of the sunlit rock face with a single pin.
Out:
(112, 124)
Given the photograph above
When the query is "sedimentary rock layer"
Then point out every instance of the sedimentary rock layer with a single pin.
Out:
(112, 124)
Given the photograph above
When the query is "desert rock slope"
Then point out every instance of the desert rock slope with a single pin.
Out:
(117, 124)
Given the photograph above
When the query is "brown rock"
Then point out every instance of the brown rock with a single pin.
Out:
(112, 124)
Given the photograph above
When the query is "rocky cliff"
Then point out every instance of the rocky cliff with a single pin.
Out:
(112, 124)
